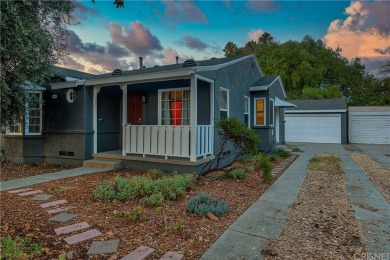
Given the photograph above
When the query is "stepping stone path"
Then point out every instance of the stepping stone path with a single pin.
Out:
(138, 254)
(97, 247)
(283, 165)
(56, 210)
(53, 203)
(42, 197)
(63, 217)
(103, 247)
(82, 236)
(71, 228)
(19, 190)
(30, 193)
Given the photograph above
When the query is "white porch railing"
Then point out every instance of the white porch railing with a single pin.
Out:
(167, 140)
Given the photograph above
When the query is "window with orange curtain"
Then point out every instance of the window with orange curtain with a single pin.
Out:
(259, 111)
(175, 107)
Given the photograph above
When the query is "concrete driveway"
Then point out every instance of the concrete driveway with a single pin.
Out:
(379, 152)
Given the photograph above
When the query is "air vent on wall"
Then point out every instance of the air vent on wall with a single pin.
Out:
(189, 63)
(116, 72)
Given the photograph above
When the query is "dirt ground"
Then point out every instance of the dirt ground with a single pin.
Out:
(23, 217)
(321, 224)
(11, 171)
(378, 174)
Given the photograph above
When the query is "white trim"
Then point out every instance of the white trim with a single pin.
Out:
(152, 76)
(273, 113)
(159, 99)
(228, 102)
(282, 85)
(249, 110)
(94, 117)
(258, 88)
(66, 84)
(277, 124)
(315, 111)
(193, 116)
(369, 113)
(203, 78)
(124, 117)
(255, 108)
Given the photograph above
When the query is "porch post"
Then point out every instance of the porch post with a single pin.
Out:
(193, 116)
(124, 117)
(95, 94)
(212, 116)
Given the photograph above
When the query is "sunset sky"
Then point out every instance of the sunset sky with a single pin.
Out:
(107, 38)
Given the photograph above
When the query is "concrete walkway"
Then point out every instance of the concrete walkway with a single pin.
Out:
(265, 219)
(24, 182)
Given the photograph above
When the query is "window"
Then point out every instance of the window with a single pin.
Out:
(175, 107)
(246, 110)
(271, 112)
(260, 111)
(224, 103)
(33, 120)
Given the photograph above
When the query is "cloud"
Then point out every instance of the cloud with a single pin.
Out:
(268, 6)
(192, 42)
(255, 35)
(364, 33)
(71, 63)
(136, 38)
(383, 51)
(108, 57)
(170, 56)
(181, 11)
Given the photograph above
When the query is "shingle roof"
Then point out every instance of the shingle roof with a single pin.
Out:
(64, 72)
(319, 104)
(210, 62)
(264, 81)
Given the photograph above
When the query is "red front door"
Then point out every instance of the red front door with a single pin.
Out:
(134, 109)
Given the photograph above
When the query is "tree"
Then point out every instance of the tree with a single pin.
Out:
(385, 69)
(33, 39)
(250, 47)
(266, 39)
(230, 49)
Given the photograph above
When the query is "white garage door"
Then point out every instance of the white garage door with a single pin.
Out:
(369, 127)
(313, 128)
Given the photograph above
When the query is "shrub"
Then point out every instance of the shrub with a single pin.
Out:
(263, 162)
(282, 153)
(149, 191)
(18, 248)
(155, 173)
(272, 157)
(135, 214)
(203, 203)
(235, 174)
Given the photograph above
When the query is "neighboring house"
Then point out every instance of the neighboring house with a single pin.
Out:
(317, 121)
(166, 119)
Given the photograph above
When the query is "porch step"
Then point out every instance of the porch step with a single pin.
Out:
(99, 163)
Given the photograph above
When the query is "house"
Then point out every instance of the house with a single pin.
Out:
(317, 121)
(159, 117)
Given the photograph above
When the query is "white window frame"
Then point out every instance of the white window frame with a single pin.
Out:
(248, 110)
(228, 102)
(25, 128)
(273, 113)
(160, 91)
(255, 112)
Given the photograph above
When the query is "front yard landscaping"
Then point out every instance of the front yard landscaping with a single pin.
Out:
(140, 209)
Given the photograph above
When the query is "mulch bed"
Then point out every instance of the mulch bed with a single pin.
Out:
(11, 171)
(21, 216)
(321, 224)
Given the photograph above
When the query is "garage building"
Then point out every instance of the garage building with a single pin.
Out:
(317, 121)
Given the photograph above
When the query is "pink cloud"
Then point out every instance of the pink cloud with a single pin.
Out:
(255, 35)
(170, 56)
(135, 38)
(193, 42)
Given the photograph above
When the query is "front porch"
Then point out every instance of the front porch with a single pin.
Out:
(165, 121)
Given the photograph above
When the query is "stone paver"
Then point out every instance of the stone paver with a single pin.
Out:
(29, 193)
(82, 236)
(53, 203)
(172, 256)
(42, 197)
(103, 247)
(56, 210)
(71, 228)
(63, 217)
(138, 254)
(20, 190)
